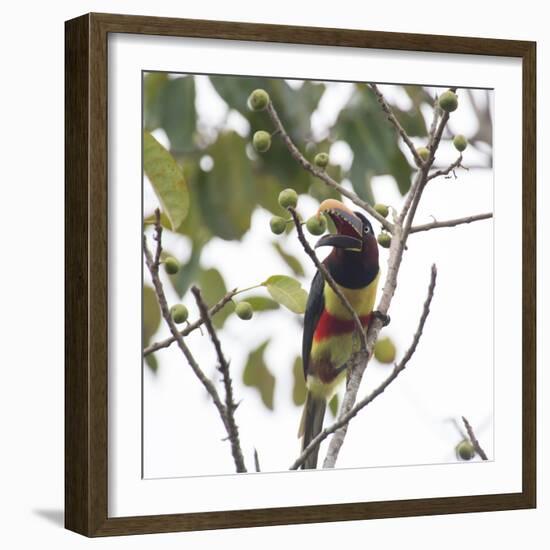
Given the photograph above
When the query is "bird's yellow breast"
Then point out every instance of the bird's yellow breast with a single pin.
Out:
(360, 299)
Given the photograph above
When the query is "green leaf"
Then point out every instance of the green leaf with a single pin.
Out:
(374, 142)
(188, 272)
(153, 84)
(178, 113)
(290, 260)
(261, 303)
(287, 291)
(167, 180)
(295, 107)
(226, 194)
(212, 286)
(151, 362)
(333, 405)
(299, 390)
(151, 314)
(257, 375)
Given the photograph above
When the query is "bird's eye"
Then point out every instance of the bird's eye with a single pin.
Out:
(367, 228)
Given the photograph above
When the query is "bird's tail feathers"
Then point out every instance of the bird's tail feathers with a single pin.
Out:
(311, 425)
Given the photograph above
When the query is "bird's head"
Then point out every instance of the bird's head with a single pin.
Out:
(353, 230)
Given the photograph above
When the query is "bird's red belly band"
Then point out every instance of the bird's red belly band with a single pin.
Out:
(330, 325)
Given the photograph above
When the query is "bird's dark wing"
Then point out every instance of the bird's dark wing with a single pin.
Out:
(314, 308)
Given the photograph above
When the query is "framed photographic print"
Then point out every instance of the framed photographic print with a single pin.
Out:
(300, 275)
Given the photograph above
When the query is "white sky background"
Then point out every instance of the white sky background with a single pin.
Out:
(451, 373)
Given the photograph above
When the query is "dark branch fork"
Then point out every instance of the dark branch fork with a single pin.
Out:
(225, 412)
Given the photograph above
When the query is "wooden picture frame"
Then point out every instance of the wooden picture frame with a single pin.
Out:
(86, 277)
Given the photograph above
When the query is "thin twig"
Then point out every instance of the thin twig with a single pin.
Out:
(450, 223)
(223, 367)
(398, 368)
(153, 266)
(393, 119)
(473, 439)
(435, 118)
(409, 209)
(256, 461)
(320, 173)
(443, 172)
(328, 278)
(192, 326)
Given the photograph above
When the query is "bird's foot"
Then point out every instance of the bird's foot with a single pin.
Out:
(384, 317)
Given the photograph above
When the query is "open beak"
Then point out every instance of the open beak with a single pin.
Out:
(349, 227)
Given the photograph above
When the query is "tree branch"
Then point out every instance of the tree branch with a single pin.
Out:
(451, 223)
(344, 420)
(457, 163)
(223, 367)
(330, 281)
(393, 119)
(153, 266)
(192, 326)
(473, 439)
(320, 173)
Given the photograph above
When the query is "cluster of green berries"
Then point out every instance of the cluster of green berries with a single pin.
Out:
(384, 239)
(258, 100)
(288, 198)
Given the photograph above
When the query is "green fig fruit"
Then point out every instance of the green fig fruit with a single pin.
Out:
(460, 142)
(288, 197)
(179, 313)
(384, 350)
(384, 240)
(382, 209)
(317, 224)
(244, 311)
(465, 450)
(261, 141)
(321, 160)
(448, 101)
(277, 224)
(423, 153)
(171, 265)
(258, 100)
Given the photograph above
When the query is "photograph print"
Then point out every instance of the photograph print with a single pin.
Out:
(317, 275)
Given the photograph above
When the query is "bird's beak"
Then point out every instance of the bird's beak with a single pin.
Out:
(349, 227)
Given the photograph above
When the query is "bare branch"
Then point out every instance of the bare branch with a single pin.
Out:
(328, 278)
(411, 203)
(344, 420)
(393, 119)
(451, 223)
(153, 266)
(230, 405)
(444, 172)
(320, 173)
(473, 439)
(192, 326)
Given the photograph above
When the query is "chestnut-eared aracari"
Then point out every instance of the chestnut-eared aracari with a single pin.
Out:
(328, 339)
